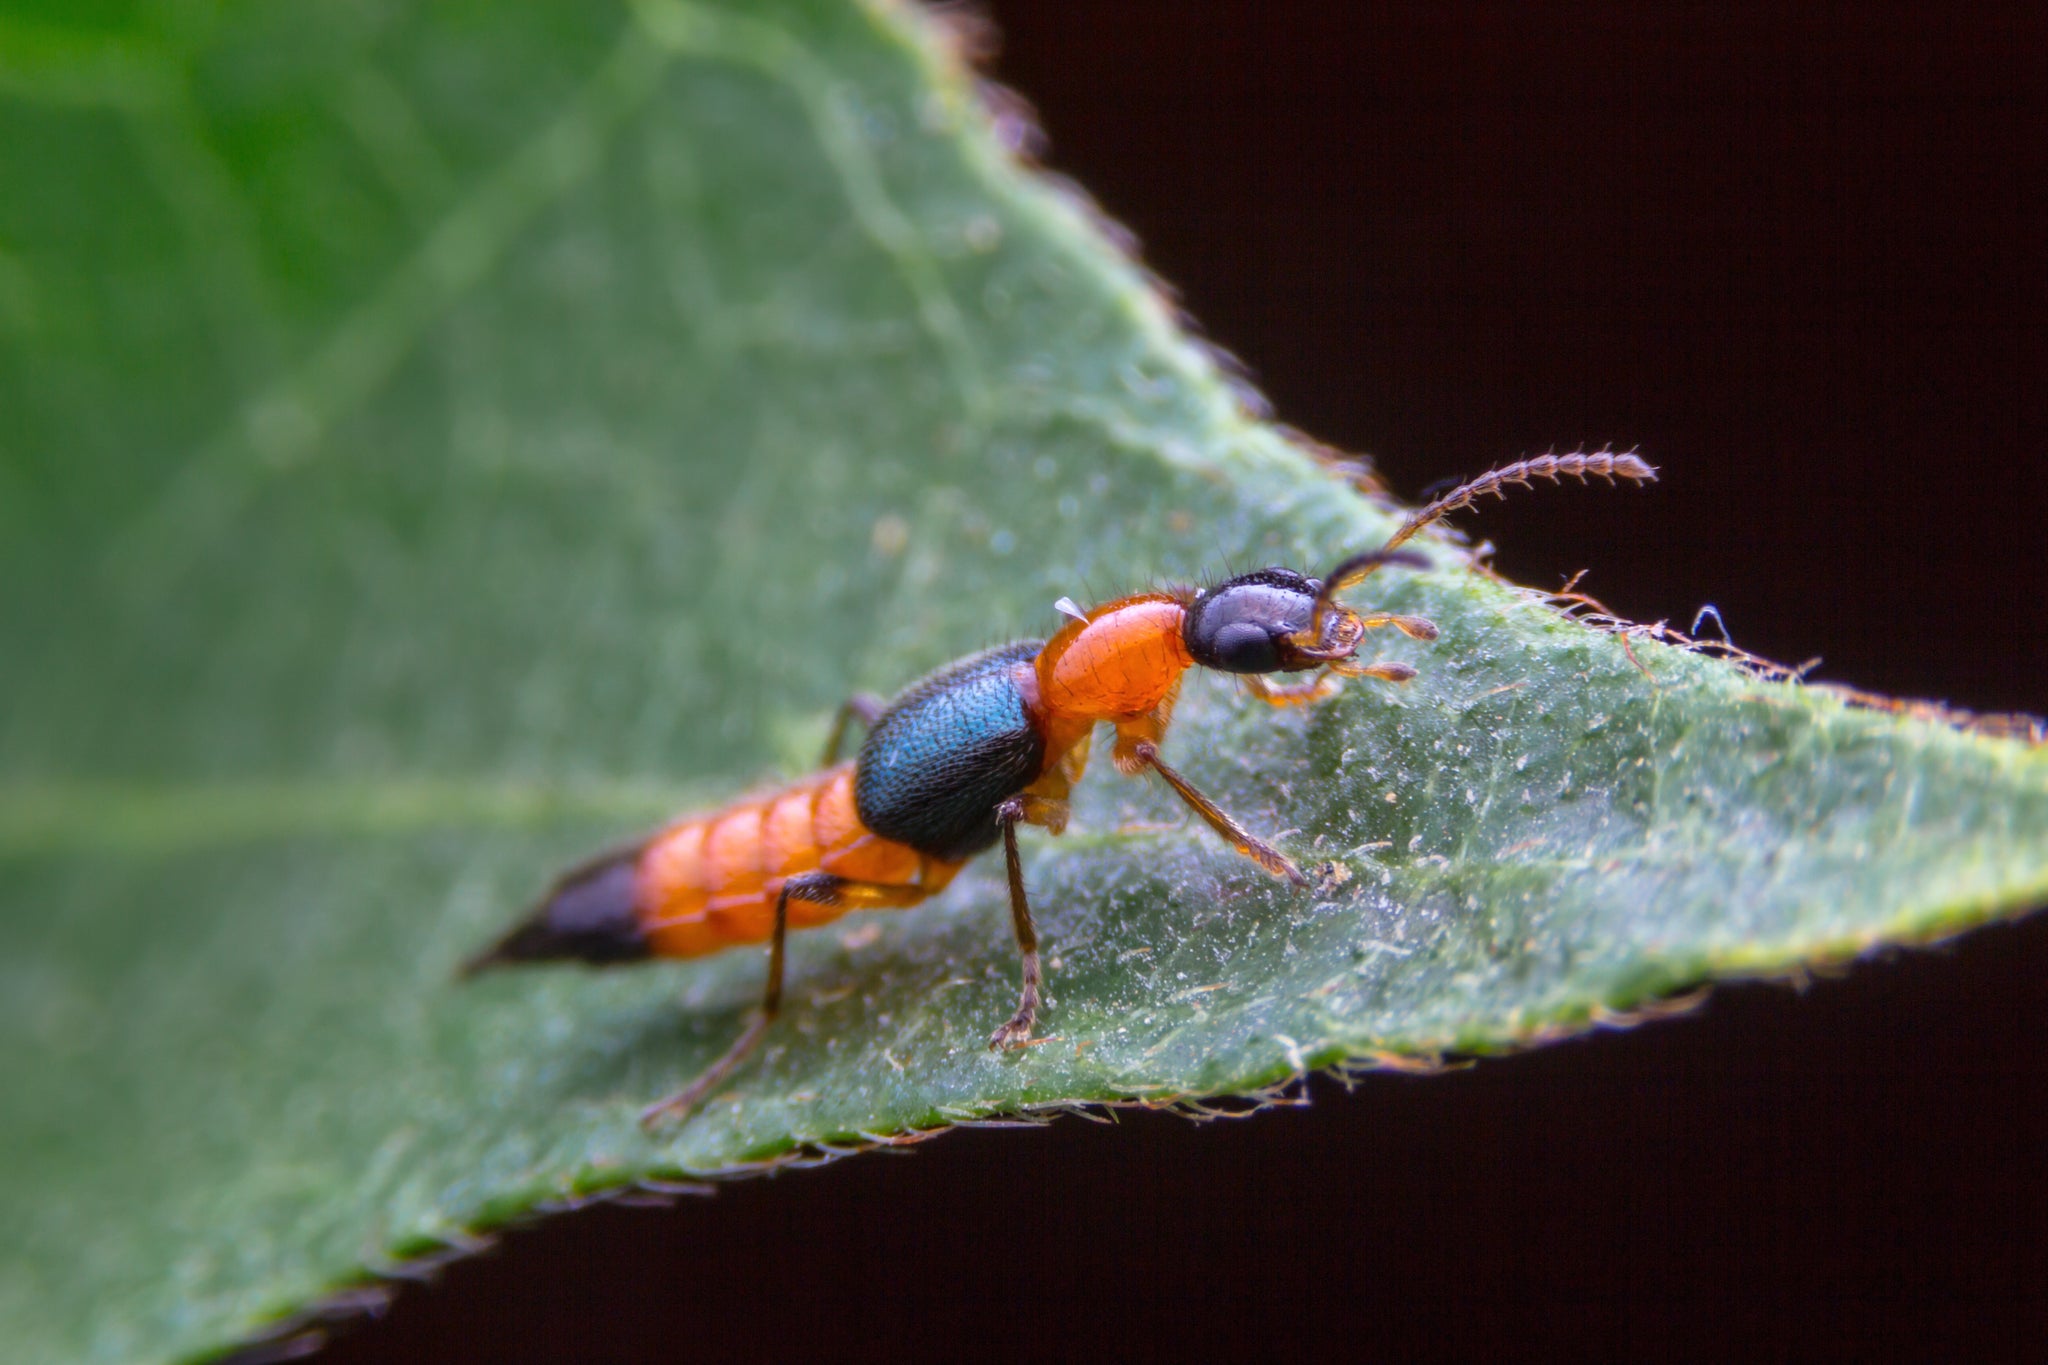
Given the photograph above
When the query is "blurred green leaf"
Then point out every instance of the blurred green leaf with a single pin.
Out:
(440, 439)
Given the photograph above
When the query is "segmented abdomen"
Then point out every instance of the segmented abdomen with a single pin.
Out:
(709, 881)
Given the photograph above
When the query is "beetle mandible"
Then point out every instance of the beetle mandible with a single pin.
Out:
(956, 762)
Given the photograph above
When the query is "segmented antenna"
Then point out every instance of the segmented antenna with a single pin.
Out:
(1605, 464)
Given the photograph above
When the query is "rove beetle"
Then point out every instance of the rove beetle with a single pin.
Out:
(962, 757)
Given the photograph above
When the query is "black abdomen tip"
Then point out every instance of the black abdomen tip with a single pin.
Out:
(590, 915)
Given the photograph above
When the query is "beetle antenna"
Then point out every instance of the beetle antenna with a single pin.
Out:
(1359, 566)
(1604, 464)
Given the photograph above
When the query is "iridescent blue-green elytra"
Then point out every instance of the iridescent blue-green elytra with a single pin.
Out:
(947, 752)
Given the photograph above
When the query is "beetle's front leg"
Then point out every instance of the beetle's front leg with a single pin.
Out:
(1323, 684)
(1135, 731)
(1414, 627)
(1385, 672)
(1146, 754)
(1291, 694)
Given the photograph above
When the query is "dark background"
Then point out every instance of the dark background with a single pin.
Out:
(1798, 256)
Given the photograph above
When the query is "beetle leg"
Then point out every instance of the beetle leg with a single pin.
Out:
(1049, 813)
(1149, 728)
(821, 888)
(861, 706)
(1414, 627)
(1386, 672)
(1236, 835)
(1017, 1031)
(1290, 694)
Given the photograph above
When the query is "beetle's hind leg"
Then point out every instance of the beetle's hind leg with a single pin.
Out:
(821, 888)
(861, 706)
(816, 886)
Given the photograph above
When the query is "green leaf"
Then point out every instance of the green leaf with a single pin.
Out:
(440, 442)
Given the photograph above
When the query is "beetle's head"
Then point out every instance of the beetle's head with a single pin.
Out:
(1245, 625)
(1277, 621)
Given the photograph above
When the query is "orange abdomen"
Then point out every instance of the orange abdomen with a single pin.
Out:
(709, 881)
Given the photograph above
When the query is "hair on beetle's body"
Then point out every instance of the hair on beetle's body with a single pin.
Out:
(956, 762)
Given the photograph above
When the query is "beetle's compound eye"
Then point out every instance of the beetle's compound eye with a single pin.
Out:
(1238, 626)
(1244, 647)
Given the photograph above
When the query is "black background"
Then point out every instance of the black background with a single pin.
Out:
(1797, 255)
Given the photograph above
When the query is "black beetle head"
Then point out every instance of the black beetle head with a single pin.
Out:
(1244, 625)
